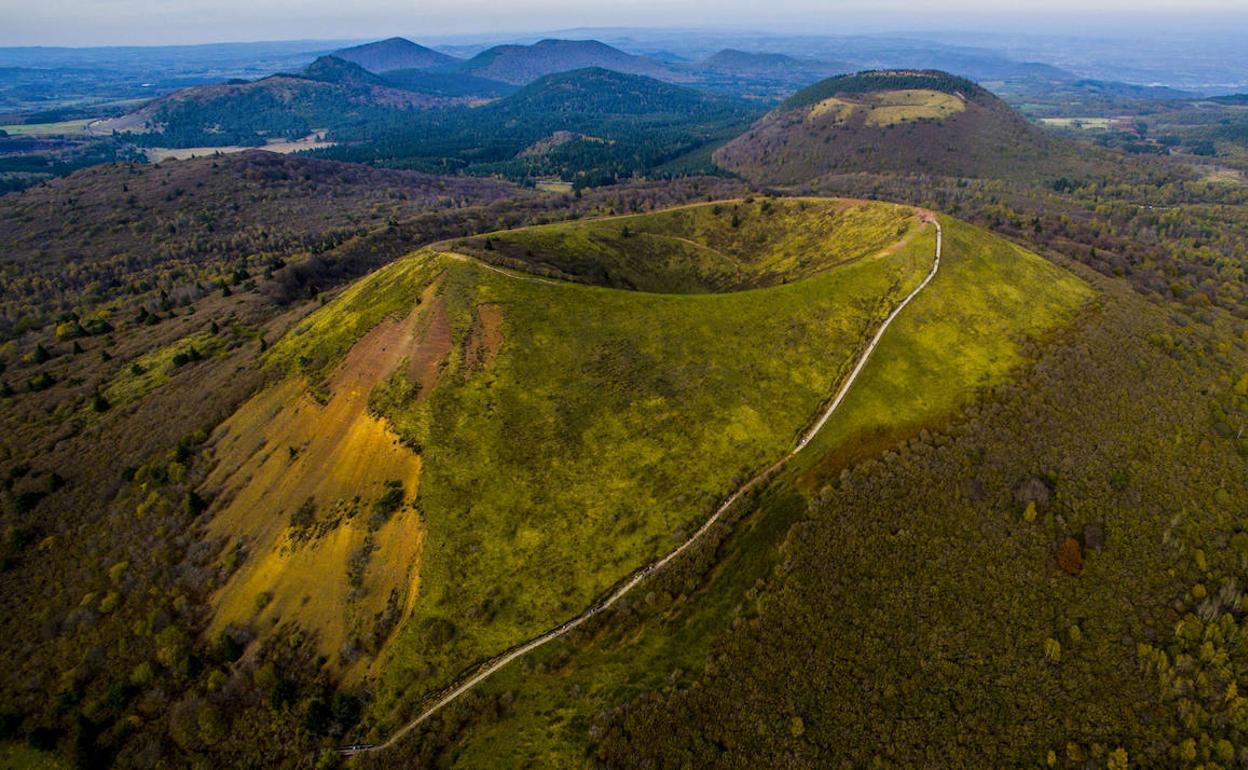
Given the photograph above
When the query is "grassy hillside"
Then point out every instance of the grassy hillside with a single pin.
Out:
(722, 247)
(942, 351)
(968, 332)
(904, 121)
(108, 566)
(562, 435)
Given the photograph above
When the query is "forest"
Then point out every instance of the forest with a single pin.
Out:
(606, 127)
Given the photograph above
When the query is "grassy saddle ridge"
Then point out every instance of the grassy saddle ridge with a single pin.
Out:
(569, 434)
(963, 333)
(703, 248)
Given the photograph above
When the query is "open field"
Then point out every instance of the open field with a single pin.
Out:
(64, 128)
(337, 547)
(1088, 123)
(313, 141)
(1221, 174)
(554, 186)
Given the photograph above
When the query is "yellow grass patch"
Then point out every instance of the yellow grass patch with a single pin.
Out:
(63, 128)
(283, 449)
(1221, 174)
(839, 110)
(313, 141)
(893, 107)
(1099, 124)
(889, 107)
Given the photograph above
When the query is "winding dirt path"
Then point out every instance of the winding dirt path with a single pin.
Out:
(487, 669)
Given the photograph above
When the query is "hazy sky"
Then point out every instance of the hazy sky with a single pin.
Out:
(128, 22)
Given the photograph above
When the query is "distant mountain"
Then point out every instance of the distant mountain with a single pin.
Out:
(522, 64)
(395, 53)
(746, 63)
(331, 93)
(760, 76)
(907, 121)
(667, 57)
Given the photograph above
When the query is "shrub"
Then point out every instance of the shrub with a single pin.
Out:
(1070, 556)
(68, 330)
(194, 504)
(25, 502)
(305, 515)
(391, 500)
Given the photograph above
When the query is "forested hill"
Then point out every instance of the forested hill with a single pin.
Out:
(899, 121)
(333, 69)
(603, 92)
(589, 126)
(521, 64)
(330, 93)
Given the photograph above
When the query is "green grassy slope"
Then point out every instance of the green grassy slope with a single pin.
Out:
(600, 426)
(703, 248)
(965, 331)
(961, 335)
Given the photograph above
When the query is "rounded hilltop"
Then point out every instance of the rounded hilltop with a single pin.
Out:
(909, 121)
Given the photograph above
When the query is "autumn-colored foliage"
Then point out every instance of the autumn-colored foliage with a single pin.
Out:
(1070, 556)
